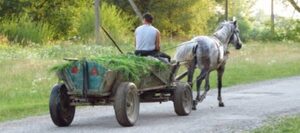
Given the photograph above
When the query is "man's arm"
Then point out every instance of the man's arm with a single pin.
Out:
(157, 42)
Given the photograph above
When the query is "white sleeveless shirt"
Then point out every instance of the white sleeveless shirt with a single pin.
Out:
(145, 37)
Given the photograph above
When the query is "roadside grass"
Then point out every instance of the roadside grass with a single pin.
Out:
(24, 87)
(25, 81)
(281, 125)
(262, 61)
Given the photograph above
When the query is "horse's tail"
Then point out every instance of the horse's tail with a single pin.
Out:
(186, 51)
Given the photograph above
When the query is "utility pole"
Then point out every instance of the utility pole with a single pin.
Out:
(226, 10)
(136, 10)
(97, 21)
(272, 18)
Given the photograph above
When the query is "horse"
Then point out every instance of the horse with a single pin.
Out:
(208, 53)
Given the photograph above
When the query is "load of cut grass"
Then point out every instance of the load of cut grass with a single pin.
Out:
(132, 67)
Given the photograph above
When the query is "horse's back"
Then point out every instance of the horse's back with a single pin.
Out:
(207, 48)
(184, 51)
(203, 40)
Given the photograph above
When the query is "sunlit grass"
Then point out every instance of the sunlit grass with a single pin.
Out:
(281, 125)
(262, 61)
(24, 87)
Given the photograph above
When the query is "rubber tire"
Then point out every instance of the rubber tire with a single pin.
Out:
(62, 114)
(120, 104)
(183, 107)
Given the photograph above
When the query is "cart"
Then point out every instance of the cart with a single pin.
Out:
(89, 83)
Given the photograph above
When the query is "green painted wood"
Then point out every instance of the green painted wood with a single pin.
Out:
(76, 79)
(73, 76)
(96, 76)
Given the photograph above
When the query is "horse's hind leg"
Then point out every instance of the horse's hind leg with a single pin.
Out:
(191, 70)
(207, 87)
(198, 85)
(199, 82)
(220, 75)
(204, 75)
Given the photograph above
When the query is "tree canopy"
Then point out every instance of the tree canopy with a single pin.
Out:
(174, 18)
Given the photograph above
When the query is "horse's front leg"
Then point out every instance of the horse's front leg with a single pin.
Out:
(220, 75)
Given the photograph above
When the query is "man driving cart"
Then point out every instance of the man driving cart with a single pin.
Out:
(147, 39)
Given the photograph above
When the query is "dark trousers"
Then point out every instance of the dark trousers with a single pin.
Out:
(153, 53)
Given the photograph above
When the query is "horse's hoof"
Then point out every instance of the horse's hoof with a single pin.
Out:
(194, 107)
(201, 98)
(221, 105)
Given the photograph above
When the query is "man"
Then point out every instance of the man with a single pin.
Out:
(147, 39)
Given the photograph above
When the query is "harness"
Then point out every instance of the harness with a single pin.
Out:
(220, 47)
(221, 54)
(195, 55)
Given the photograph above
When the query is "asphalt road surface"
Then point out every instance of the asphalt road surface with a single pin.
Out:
(246, 107)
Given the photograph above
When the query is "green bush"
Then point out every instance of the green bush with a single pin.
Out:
(244, 27)
(285, 30)
(288, 29)
(116, 22)
(23, 31)
(85, 26)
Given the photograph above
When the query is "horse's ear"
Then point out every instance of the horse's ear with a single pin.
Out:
(235, 22)
(233, 18)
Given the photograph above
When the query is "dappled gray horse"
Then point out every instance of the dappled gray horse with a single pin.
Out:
(208, 53)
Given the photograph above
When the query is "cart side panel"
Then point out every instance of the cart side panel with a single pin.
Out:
(98, 82)
(73, 77)
(157, 78)
(97, 78)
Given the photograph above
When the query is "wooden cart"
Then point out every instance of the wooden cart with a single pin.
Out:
(89, 83)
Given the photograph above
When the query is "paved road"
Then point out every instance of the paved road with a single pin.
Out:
(246, 107)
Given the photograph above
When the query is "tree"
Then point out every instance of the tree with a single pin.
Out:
(97, 21)
(12, 8)
(272, 17)
(294, 4)
(241, 10)
(57, 13)
(174, 17)
(136, 10)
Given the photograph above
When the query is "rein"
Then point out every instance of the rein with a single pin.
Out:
(166, 49)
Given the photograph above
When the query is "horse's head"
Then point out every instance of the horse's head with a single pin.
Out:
(235, 37)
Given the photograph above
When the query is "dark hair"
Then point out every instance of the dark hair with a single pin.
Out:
(148, 17)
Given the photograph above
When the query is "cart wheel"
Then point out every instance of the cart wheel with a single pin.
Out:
(127, 104)
(183, 99)
(61, 112)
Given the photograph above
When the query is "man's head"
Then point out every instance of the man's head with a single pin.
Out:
(148, 18)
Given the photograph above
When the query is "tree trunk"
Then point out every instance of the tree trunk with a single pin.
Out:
(226, 10)
(97, 22)
(272, 17)
(136, 10)
(294, 4)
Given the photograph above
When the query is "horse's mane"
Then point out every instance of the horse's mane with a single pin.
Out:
(185, 50)
(222, 24)
(223, 30)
